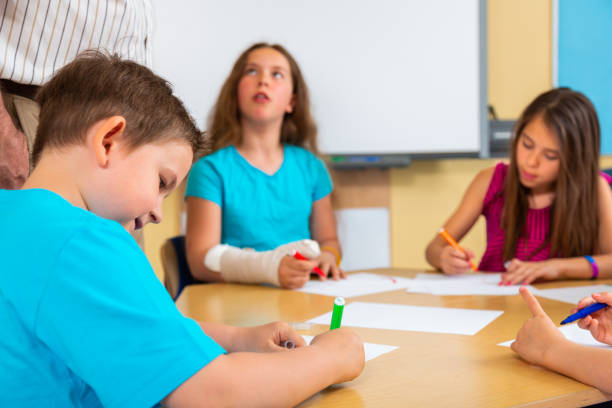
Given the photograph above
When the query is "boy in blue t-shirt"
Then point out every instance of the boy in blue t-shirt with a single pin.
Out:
(84, 320)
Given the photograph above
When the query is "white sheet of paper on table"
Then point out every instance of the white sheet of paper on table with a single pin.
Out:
(571, 295)
(461, 285)
(574, 333)
(372, 350)
(413, 318)
(356, 284)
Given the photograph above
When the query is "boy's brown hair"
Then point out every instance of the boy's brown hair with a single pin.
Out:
(298, 127)
(96, 86)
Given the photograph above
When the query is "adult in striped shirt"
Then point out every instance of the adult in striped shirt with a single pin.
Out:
(38, 37)
(549, 211)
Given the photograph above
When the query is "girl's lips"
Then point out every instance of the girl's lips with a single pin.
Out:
(528, 176)
(261, 97)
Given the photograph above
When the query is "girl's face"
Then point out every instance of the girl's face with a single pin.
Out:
(265, 91)
(538, 156)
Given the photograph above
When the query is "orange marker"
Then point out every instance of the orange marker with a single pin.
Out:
(451, 241)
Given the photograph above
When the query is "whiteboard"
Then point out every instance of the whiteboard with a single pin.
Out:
(385, 77)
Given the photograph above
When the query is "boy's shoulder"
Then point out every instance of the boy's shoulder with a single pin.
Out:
(38, 203)
(40, 218)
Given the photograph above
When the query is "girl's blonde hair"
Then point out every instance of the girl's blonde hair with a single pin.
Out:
(574, 215)
(298, 126)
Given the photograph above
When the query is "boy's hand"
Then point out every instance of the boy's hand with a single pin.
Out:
(538, 333)
(268, 338)
(522, 272)
(455, 262)
(600, 322)
(293, 273)
(345, 348)
(327, 263)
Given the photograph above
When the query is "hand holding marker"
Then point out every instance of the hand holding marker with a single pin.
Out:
(451, 241)
(316, 269)
(584, 312)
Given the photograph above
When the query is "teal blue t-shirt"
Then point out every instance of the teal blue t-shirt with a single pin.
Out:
(259, 210)
(85, 321)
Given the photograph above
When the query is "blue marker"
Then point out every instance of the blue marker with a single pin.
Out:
(584, 312)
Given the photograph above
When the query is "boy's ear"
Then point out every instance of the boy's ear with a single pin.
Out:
(106, 134)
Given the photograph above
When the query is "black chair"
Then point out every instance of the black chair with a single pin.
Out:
(176, 269)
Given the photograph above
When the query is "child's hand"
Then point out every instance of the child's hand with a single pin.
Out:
(454, 262)
(327, 263)
(293, 273)
(345, 348)
(523, 272)
(600, 322)
(268, 337)
(538, 333)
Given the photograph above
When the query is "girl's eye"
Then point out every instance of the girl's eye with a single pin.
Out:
(250, 71)
(526, 144)
(278, 75)
(551, 157)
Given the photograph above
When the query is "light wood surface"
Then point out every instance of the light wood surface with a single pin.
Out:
(427, 369)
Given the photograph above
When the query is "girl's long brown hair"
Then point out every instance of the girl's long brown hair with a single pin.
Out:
(298, 127)
(574, 215)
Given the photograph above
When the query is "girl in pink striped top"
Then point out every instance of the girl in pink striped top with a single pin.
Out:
(549, 209)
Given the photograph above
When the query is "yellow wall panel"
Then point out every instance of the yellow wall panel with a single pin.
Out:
(519, 53)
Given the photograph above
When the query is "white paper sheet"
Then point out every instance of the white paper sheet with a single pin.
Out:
(571, 295)
(372, 350)
(574, 333)
(414, 318)
(357, 284)
(461, 285)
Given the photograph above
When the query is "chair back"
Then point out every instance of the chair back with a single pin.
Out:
(176, 269)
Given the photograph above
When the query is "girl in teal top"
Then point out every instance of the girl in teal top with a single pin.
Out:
(263, 187)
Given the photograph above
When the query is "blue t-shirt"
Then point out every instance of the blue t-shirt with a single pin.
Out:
(85, 322)
(259, 210)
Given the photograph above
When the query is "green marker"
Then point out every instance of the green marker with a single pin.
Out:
(337, 313)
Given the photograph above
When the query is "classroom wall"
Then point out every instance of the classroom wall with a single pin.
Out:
(519, 53)
(423, 195)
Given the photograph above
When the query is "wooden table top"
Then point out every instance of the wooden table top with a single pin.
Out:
(428, 369)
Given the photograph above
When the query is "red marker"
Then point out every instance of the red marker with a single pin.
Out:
(316, 269)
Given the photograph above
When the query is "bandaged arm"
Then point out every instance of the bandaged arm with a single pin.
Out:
(249, 266)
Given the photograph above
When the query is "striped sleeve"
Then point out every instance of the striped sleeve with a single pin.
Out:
(38, 37)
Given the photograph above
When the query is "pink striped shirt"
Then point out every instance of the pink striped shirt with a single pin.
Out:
(531, 246)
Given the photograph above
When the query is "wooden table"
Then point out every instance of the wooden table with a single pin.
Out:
(428, 369)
